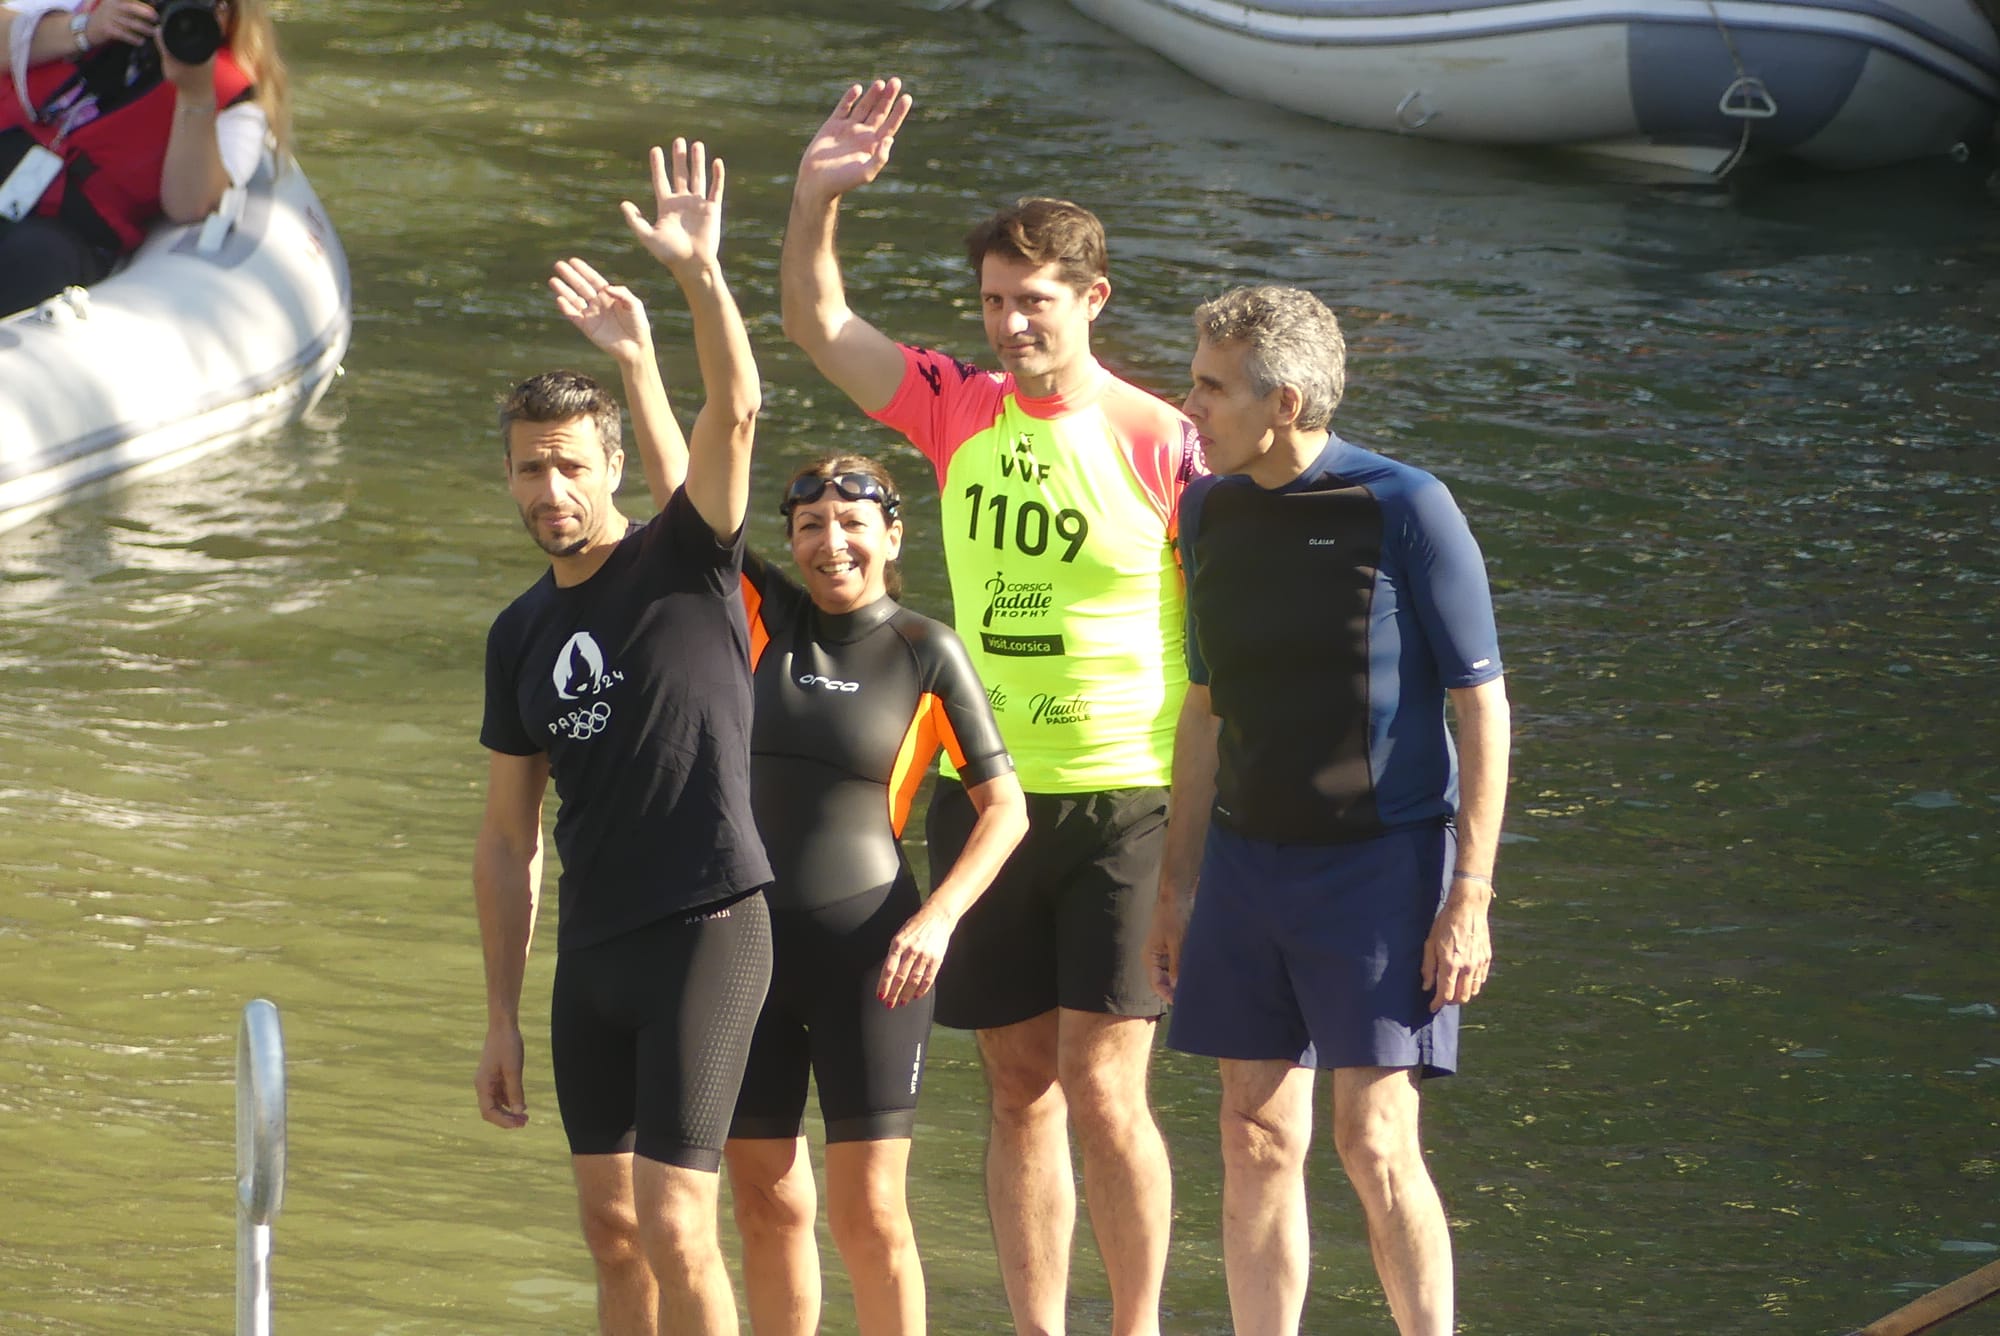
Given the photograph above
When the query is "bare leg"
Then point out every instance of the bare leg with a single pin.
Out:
(1266, 1130)
(870, 1218)
(1375, 1131)
(676, 1209)
(1030, 1188)
(627, 1299)
(1126, 1178)
(771, 1184)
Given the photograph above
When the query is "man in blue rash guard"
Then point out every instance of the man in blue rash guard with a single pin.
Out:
(1329, 863)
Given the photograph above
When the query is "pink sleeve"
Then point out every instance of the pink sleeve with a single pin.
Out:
(941, 402)
(1163, 448)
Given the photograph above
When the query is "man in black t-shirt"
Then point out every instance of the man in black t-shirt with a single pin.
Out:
(623, 674)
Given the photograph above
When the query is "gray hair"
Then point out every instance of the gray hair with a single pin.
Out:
(1292, 339)
(560, 396)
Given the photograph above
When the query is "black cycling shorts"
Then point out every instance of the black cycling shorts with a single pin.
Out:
(823, 1019)
(649, 1030)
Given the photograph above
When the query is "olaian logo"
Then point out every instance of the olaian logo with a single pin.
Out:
(1319, 542)
(917, 1069)
(827, 683)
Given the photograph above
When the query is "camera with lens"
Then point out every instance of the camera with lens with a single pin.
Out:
(190, 30)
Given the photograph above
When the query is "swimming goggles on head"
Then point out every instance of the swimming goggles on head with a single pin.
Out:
(850, 486)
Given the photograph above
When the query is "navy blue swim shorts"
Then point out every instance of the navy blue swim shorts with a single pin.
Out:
(1313, 954)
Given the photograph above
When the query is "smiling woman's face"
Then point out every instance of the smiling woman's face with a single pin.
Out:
(842, 549)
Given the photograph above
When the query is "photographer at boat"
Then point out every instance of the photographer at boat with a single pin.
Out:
(116, 113)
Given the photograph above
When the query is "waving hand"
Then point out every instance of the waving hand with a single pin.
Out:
(687, 206)
(852, 148)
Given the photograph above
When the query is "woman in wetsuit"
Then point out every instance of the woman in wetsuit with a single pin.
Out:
(855, 694)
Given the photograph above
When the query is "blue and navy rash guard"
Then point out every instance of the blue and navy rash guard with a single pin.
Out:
(1328, 618)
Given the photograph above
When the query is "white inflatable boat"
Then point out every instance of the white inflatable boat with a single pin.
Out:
(1698, 85)
(213, 333)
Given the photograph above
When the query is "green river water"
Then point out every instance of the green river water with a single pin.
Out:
(1731, 454)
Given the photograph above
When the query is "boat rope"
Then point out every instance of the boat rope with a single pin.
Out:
(1746, 100)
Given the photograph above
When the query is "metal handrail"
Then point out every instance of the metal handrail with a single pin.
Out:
(260, 1160)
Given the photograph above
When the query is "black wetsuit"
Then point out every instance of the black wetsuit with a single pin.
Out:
(850, 712)
(635, 685)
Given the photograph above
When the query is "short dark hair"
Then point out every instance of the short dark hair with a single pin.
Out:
(559, 396)
(1291, 338)
(829, 466)
(1043, 231)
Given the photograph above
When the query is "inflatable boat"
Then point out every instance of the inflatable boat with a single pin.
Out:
(1694, 85)
(213, 333)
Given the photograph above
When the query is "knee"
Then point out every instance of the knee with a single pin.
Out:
(780, 1206)
(1261, 1146)
(611, 1232)
(678, 1240)
(1106, 1110)
(1023, 1093)
(1379, 1154)
(871, 1230)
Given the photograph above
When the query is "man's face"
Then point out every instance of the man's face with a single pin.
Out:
(1236, 423)
(562, 482)
(1037, 323)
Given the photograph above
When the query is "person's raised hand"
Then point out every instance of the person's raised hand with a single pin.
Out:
(853, 146)
(606, 313)
(686, 227)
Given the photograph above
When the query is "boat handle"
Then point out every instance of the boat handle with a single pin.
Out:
(1748, 100)
(1412, 114)
(217, 226)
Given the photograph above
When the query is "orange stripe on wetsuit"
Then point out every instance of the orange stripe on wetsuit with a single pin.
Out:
(929, 730)
(850, 712)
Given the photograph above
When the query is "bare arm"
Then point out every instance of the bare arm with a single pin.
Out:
(916, 953)
(850, 150)
(1195, 761)
(192, 177)
(506, 886)
(613, 318)
(50, 37)
(686, 236)
(1459, 951)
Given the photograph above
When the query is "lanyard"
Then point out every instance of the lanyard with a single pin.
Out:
(71, 106)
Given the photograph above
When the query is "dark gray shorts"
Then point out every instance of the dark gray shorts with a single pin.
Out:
(1065, 922)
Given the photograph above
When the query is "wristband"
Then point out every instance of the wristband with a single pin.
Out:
(77, 23)
(1458, 875)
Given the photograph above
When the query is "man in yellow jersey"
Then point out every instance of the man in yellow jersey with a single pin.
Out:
(1059, 488)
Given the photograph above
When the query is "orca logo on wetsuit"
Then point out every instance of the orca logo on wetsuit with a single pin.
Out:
(829, 683)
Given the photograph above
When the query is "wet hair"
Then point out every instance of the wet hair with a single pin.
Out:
(560, 396)
(1043, 231)
(1292, 339)
(832, 466)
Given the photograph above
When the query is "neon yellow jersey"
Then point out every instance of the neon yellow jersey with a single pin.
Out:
(1059, 532)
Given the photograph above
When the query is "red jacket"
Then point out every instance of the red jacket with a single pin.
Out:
(114, 160)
